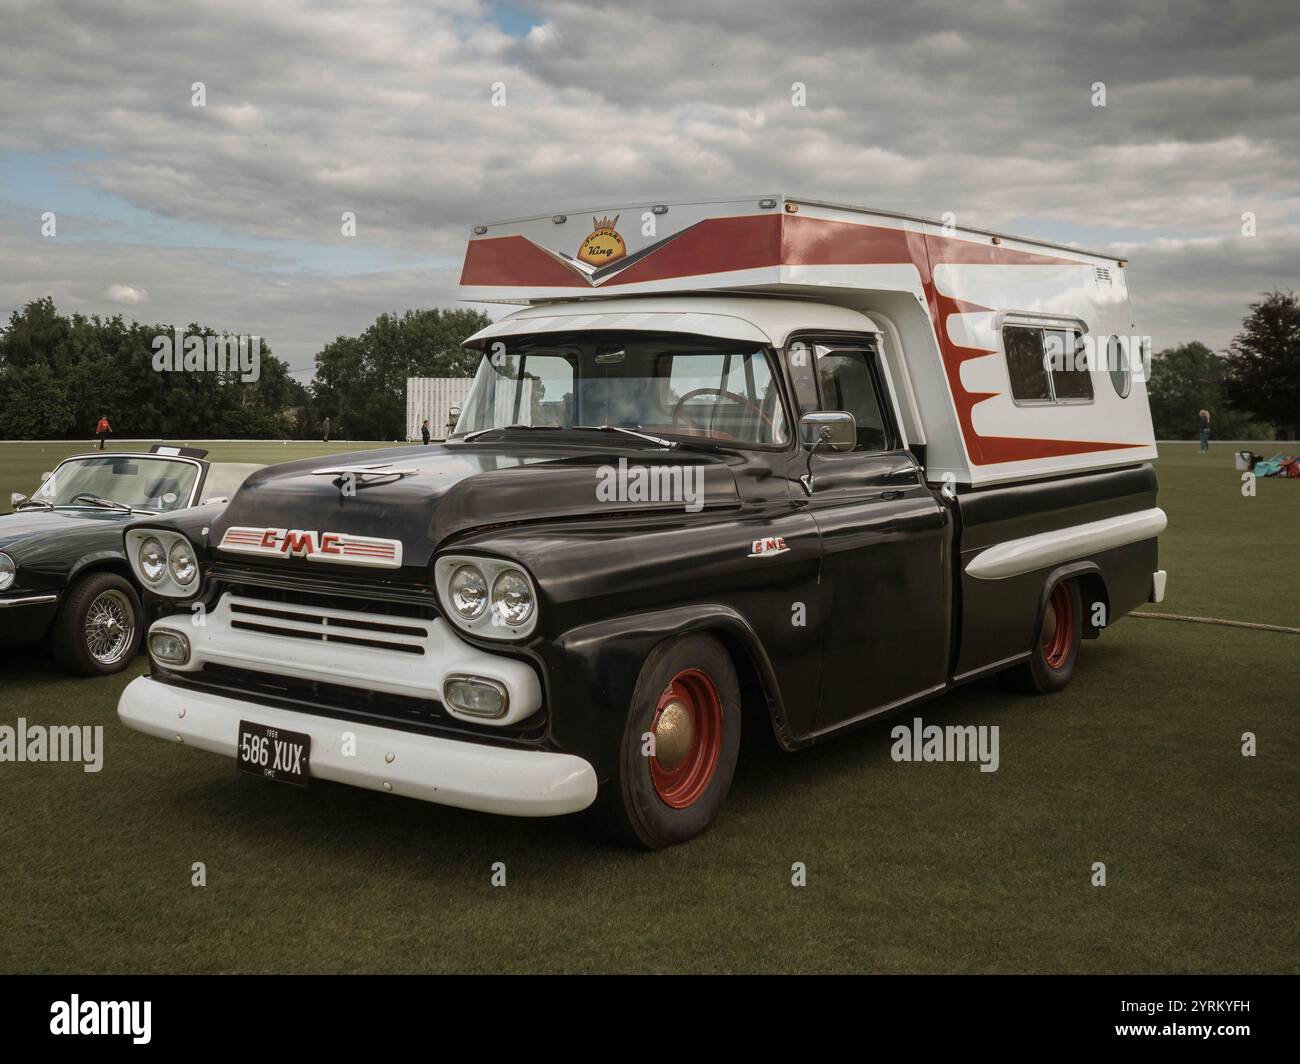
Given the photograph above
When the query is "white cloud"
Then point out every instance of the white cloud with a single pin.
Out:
(124, 293)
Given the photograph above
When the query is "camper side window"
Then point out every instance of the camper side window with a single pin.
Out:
(1046, 365)
(1024, 349)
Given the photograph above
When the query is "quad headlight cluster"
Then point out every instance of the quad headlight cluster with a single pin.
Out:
(165, 562)
(489, 597)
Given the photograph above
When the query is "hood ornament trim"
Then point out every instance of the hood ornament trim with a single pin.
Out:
(366, 475)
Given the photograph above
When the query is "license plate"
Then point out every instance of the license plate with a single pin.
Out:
(273, 753)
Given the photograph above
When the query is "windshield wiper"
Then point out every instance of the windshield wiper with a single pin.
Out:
(507, 428)
(627, 432)
(95, 500)
(658, 441)
(27, 504)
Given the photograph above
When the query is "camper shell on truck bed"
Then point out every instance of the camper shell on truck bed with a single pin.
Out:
(941, 298)
(770, 453)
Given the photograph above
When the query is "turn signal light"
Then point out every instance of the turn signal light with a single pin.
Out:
(475, 697)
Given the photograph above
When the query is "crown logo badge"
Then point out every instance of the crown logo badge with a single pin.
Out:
(603, 245)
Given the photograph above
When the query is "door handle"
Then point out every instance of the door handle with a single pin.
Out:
(892, 494)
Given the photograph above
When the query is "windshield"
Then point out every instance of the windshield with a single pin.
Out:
(157, 484)
(722, 390)
(225, 478)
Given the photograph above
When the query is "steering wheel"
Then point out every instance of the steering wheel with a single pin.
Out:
(681, 415)
(87, 495)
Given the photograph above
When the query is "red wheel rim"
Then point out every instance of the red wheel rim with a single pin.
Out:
(687, 726)
(1058, 628)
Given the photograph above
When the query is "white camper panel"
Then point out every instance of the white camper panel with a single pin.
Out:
(941, 297)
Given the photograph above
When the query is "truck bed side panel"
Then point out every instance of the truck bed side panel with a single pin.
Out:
(998, 615)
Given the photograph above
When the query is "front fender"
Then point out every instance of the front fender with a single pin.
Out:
(101, 559)
(593, 670)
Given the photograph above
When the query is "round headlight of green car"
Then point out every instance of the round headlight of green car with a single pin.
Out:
(468, 592)
(153, 560)
(181, 560)
(8, 572)
(512, 598)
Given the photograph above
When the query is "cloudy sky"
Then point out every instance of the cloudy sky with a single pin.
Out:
(229, 214)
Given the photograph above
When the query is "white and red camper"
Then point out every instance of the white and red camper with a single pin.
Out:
(960, 314)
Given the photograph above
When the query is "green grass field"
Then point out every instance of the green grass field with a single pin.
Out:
(911, 867)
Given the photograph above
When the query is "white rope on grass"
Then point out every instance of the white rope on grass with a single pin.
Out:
(1215, 620)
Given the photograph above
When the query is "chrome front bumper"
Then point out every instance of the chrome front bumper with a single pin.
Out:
(469, 775)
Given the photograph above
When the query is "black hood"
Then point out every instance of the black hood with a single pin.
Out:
(457, 488)
(37, 530)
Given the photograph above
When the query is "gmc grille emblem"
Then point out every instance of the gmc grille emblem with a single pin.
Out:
(342, 548)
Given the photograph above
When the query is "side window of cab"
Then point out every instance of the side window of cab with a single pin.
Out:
(829, 376)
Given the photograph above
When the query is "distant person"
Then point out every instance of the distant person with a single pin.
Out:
(1203, 429)
(325, 429)
(424, 432)
(103, 430)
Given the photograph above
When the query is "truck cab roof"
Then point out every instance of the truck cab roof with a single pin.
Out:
(761, 319)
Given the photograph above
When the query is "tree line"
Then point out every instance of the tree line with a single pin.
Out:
(59, 374)
(1252, 391)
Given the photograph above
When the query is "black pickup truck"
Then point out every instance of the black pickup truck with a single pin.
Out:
(634, 539)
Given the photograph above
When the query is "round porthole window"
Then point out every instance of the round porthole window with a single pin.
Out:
(1121, 373)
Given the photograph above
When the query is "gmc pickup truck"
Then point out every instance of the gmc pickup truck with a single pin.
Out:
(787, 463)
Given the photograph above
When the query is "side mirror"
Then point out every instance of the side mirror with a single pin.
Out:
(829, 428)
(16, 499)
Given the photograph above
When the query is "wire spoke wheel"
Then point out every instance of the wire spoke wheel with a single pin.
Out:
(687, 728)
(110, 627)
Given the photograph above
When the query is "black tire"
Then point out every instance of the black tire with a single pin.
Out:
(80, 651)
(1051, 665)
(632, 806)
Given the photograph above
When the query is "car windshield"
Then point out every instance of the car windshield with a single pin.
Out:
(664, 385)
(225, 478)
(157, 484)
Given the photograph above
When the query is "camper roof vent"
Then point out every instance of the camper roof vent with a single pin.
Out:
(1102, 273)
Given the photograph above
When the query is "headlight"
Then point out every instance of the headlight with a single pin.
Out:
(468, 591)
(512, 598)
(183, 566)
(491, 598)
(165, 562)
(8, 572)
(153, 560)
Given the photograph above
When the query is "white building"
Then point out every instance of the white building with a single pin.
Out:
(434, 398)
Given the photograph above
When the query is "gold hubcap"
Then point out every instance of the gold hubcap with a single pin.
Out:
(673, 735)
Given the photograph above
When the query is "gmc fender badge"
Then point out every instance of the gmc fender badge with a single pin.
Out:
(341, 548)
(761, 548)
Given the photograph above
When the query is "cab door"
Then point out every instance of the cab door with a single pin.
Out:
(884, 535)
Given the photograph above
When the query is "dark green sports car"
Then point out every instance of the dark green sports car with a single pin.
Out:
(63, 569)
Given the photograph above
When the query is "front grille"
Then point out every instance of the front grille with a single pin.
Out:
(354, 622)
(385, 624)
(376, 605)
(351, 703)
(324, 626)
